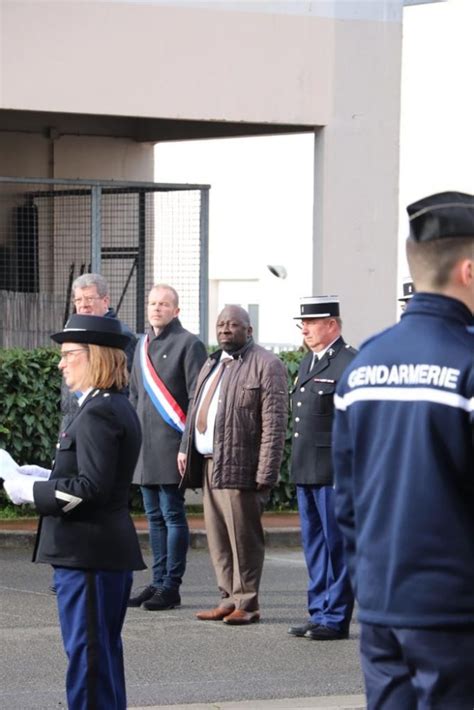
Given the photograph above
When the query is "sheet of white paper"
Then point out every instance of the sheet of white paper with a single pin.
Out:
(8, 467)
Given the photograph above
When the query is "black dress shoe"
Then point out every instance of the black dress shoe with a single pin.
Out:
(324, 633)
(300, 631)
(163, 599)
(143, 596)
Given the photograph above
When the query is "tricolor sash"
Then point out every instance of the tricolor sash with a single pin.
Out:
(162, 399)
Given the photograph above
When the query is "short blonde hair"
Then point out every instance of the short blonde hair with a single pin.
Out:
(167, 287)
(107, 367)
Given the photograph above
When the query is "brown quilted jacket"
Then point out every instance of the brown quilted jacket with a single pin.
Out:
(250, 425)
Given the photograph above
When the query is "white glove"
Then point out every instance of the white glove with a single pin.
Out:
(20, 489)
(8, 467)
(33, 470)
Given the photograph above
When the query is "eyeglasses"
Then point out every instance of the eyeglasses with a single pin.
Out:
(70, 354)
(87, 300)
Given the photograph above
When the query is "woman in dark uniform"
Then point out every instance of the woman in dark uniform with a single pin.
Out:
(85, 530)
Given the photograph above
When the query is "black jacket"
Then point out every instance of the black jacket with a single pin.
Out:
(177, 356)
(85, 519)
(312, 400)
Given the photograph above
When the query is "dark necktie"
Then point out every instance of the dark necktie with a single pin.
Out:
(201, 422)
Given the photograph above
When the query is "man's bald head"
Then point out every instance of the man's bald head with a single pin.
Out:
(233, 328)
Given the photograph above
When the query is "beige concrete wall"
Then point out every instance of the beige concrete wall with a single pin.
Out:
(149, 59)
(34, 155)
(23, 154)
(102, 158)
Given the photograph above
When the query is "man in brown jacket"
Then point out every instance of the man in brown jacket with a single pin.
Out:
(233, 446)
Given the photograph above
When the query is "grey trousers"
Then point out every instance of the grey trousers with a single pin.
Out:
(233, 520)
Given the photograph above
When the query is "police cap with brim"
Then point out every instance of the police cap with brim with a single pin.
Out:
(445, 214)
(93, 330)
(318, 307)
(408, 290)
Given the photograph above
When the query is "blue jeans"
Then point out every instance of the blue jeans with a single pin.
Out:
(169, 533)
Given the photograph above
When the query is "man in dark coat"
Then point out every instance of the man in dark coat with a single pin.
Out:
(330, 598)
(404, 474)
(90, 296)
(165, 367)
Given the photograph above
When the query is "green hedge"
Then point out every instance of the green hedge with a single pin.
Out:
(29, 406)
(30, 412)
(30, 385)
(284, 495)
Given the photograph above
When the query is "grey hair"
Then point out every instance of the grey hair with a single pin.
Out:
(96, 280)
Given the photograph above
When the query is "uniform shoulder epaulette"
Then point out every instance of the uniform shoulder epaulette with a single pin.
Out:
(352, 350)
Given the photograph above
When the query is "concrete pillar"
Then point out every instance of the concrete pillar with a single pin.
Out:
(356, 176)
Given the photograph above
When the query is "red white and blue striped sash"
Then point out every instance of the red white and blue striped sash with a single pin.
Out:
(162, 399)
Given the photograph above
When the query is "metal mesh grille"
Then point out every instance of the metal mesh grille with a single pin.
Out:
(135, 235)
(64, 240)
(123, 217)
(177, 250)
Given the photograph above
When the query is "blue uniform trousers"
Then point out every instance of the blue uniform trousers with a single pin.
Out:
(418, 669)
(92, 607)
(330, 598)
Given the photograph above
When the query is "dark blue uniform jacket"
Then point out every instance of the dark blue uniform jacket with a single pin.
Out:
(312, 405)
(85, 521)
(403, 455)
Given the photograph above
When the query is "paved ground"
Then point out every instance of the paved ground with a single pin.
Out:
(328, 702)
(174, 660)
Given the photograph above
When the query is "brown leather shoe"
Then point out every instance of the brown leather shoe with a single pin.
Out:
(239, 617)
(216, 614)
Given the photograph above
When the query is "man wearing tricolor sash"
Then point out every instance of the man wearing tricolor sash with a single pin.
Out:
(165, 367)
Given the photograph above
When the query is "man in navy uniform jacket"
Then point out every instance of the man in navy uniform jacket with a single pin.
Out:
(330, 598)
(403, 449)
